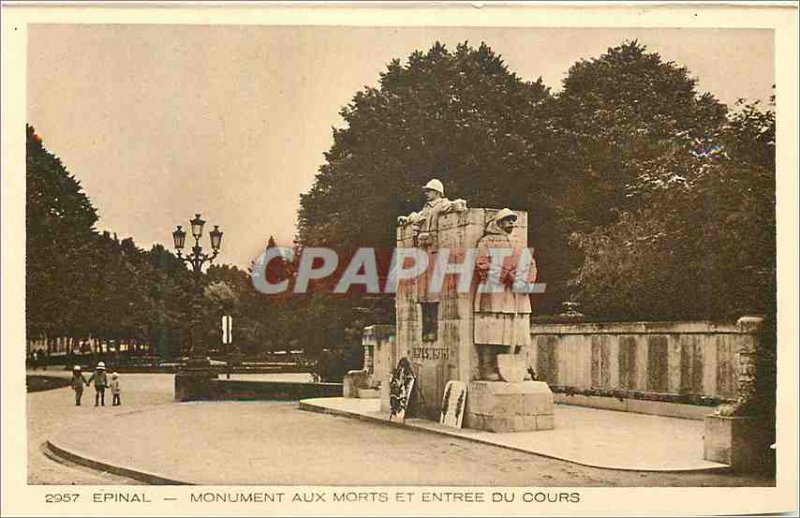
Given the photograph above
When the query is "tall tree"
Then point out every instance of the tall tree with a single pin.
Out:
(81, 282)
(625, 123)
(458, 115)
(624, 119)
(59, 222)
(700, 248)
(170, 288)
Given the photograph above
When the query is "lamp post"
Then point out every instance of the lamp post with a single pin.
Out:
(192, 382)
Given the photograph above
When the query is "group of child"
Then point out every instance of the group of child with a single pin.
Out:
(100, 383)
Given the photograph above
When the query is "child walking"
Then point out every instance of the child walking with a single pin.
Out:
(115, 391)
(78, 381)
(100, 383)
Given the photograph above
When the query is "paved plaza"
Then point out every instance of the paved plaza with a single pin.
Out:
(274, 443)
(588, 436)
(53, 410)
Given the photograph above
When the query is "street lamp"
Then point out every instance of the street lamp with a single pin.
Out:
(179, 237)
(197, 258)
(197, 226)
(193, 380)
(216, 238)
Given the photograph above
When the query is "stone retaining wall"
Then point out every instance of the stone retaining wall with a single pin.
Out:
(222, 389)
(687, 362)
(668, 368)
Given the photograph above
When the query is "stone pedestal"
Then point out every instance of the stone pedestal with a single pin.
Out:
(498, 406)
(194, 385)
(741, 442)
(353, 381)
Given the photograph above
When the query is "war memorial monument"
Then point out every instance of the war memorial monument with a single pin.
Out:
(477, 334)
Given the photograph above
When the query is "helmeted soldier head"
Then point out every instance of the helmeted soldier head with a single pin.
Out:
(433, 189)
(506, 218)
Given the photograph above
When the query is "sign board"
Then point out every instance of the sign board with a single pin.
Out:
(227, 329)
(455, 397)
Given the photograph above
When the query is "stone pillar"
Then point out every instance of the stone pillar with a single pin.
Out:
(741, 436)
(435, 329)
(377, 340)
(747, 357)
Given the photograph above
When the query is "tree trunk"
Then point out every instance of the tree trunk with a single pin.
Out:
(47, 353)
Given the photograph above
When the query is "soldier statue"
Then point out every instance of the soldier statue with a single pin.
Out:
(425, 225)
(502, 304)
(425, 222)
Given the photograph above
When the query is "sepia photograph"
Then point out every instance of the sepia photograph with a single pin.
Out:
(499, 264)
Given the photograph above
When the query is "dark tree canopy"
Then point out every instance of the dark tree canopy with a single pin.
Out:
(701, 248)
(82, 283)
(626, 126)
(646, 198)
(59, 222)
(624, 120)
(460, 116)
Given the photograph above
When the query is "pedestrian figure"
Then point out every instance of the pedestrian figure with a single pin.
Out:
(78, 381)
(115, 390)
(100, 384)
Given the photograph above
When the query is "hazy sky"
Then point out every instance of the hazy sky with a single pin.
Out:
(159, 121)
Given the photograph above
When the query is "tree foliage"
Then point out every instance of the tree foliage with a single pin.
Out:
(647, 200)
(601, 167)
(700, 248)
(82, 283)
(59, 222)
(461, 116)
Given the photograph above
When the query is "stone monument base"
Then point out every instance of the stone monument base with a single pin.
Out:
(498, 406)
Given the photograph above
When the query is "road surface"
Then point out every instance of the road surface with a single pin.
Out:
(293, 447)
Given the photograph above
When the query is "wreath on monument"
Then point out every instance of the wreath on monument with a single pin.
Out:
(446, 401)
(460, 404)
(401, 388)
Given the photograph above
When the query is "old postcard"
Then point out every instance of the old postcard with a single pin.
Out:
(399, 259)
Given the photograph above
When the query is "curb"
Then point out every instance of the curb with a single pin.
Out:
(139, 475)
(310, 407)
